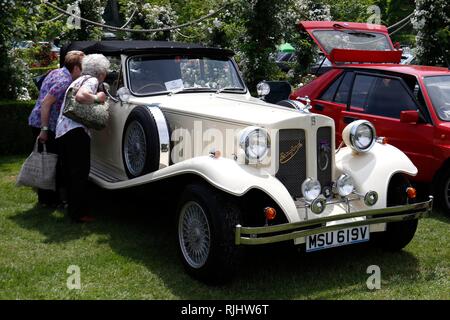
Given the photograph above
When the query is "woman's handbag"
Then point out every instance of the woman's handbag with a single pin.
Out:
(93, 115)
(39, 170)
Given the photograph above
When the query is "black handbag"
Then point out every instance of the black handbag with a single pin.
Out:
(39, 80)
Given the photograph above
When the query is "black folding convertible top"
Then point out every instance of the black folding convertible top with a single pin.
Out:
(117, 47)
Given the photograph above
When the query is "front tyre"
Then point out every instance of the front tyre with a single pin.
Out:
(206, 221)
(398, 234)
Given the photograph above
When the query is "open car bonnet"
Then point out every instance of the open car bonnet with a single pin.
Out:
(347, 42)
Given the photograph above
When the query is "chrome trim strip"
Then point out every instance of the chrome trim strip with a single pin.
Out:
(249, 235)
(163, 132)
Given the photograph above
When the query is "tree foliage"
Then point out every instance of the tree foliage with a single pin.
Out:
(252, 28)
(309, 10)
(263, 32)
(431, 21)
(13, 25)
(149, 15)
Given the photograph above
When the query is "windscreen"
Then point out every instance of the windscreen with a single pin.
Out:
(439, 91)
(154, 74)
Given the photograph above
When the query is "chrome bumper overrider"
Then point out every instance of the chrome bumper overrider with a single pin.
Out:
(290, 231)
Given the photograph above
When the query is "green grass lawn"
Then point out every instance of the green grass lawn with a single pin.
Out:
(129, 252)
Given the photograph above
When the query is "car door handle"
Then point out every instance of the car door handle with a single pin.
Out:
(319, 107)
(349, 119)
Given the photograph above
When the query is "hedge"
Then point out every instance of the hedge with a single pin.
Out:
(37, 71)
(15, 134)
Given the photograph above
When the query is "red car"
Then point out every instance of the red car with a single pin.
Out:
(408, 104)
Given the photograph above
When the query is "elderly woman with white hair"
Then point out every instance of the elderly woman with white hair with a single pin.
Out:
(74, 140)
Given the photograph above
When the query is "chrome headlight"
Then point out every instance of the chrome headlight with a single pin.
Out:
(311, 189)
(255, 142)
(344, 185)
(263, 89)
(359, 135)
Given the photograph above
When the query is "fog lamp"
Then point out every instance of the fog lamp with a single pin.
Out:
(344, 185)
(311, 189)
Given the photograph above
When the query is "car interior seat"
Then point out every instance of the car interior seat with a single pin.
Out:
(386, 99)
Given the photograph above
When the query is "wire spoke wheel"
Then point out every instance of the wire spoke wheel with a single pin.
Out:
(135, 148)
(194, 234)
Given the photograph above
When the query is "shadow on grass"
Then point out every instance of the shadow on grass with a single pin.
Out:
(440, 215)
(138, 229)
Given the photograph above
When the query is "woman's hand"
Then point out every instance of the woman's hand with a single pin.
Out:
(43, 136)
(85, 96)
(101, 97)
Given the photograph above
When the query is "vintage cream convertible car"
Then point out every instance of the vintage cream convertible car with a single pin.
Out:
(243, 171)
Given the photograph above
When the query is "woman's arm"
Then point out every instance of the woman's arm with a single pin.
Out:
(85, 96)
(46, 105)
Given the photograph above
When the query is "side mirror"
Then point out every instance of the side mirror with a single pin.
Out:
(409, 116)
(124, 94)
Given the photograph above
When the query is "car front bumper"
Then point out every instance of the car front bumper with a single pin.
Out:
(290, 231)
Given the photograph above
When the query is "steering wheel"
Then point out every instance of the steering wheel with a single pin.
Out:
(153, 84)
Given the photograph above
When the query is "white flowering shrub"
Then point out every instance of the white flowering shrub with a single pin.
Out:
(14, 24)
(215, 75)
(145, 15)
(254, 28)
(312, 10)
(263, 32)
(431, 20)
(20, 78)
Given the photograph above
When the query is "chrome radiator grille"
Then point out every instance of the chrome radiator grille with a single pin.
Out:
(292, 160)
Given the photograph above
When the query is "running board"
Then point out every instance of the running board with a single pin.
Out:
(97, 173)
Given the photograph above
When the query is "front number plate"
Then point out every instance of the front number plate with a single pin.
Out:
(337, 238)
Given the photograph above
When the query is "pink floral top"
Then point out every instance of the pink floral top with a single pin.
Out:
(65, 124)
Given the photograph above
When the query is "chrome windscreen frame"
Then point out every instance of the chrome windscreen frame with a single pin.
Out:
(237, 74)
